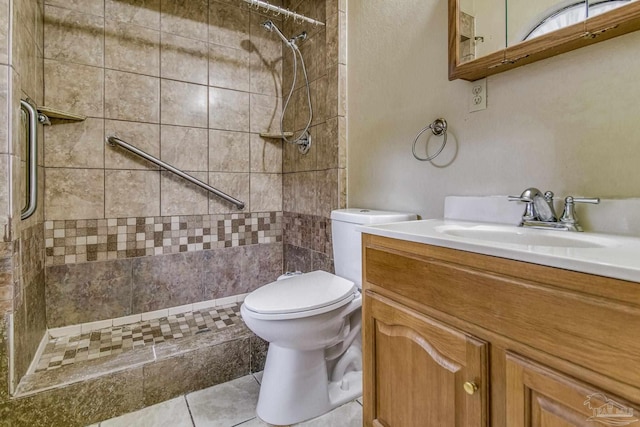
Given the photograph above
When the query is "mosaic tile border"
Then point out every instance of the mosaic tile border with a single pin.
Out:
(70, 349)
(76, 241)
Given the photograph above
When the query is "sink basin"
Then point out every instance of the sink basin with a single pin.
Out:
(526, 237)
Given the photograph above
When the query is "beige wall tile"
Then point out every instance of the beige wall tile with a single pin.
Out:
(74, 193)
(24, 57)
(305, 192)
(74, 88)
(181, 197)
(183, 104)
(145, 136)
(94, 7)
(266, 192)
(228, 110)
(342, 188)
(4, 108)
(228, 151)
(4, 31)
(132, 97)
(185, 148)
(228, 67)
(288, 196)
(328, 143)
(265, 113)
(145, 13)
(132, 193)
(184, 59)
(132, 48)
(75, 144)
(266, 51)
(228, 24)
(187, 18)
(73, 36)
(266, 154)
(235, 185)
(5, 190)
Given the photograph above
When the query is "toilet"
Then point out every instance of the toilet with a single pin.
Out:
(312, 322)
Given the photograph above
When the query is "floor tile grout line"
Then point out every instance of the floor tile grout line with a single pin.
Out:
(193, 422)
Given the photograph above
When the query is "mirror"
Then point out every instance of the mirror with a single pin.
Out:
(490, 36)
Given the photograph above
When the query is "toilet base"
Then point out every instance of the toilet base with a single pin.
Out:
(295, 386)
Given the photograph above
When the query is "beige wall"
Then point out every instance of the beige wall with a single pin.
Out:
(568, 124)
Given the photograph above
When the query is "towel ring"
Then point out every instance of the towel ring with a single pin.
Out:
(438, 128)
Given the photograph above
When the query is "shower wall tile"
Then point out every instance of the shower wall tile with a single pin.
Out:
(265, 59)
(186, 18)
(327, 192)
(180, 197)
(229, 151)
(93, 7)
(234, 184)
(297, 259)
(74, 88)
(184, 59)
(228, 110)
(185, 148)
(80, 293)
(131, 192)
(228, 24)
(265, 113)
(266, 154)
(73, 36)
(145, 13)
(75, 144)
(170, 280)
(228, 67)
(131, 97)
(132, 48)
(266, 192)
(145, 136)
(238, 270)
(74, 193)
(342, 188)
(183, 104)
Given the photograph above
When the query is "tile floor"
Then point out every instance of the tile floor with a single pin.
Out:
(225, 405)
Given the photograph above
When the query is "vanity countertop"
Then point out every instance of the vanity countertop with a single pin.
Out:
(594, 253)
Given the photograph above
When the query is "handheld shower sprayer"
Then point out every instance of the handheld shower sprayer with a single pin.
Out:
(303, 141)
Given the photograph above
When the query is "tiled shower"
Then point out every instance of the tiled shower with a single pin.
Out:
(193, 82)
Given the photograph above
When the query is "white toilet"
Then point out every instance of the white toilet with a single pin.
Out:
(312, 322)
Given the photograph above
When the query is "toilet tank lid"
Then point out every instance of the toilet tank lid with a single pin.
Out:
(305, 292)
(370, 216)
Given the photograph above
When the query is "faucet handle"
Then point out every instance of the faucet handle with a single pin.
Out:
(569, 214)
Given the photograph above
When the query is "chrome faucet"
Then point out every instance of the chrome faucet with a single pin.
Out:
(540, 213)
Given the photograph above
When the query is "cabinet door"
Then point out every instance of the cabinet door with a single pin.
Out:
(540, 397)
(420, 372)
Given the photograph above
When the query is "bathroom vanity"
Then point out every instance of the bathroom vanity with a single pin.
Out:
(460, 338)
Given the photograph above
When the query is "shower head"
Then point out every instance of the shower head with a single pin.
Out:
(270, 26)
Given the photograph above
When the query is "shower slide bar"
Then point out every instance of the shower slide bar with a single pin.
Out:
(113, 141)
(32, 163)
(268, 7)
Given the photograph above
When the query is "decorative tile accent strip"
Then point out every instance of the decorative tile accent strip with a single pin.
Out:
(69, 242)
(110, 341)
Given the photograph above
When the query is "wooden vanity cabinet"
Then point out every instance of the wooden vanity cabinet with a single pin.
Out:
(452, 338)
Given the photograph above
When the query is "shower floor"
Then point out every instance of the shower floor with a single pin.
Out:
(67, 350)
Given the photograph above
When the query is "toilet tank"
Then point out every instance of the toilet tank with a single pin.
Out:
(347, 243)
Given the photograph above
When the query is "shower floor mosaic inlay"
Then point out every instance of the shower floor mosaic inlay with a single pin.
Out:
(67, 350)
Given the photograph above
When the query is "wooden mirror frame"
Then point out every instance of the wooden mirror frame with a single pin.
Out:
(613, 23)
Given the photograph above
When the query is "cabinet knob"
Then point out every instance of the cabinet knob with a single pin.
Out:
(470, 387)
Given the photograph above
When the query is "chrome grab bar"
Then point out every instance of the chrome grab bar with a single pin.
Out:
(113, 141)
(32, 185)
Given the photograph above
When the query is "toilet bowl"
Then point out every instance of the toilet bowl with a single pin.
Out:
(312, 322)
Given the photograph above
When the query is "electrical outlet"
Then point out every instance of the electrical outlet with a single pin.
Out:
(478, 98)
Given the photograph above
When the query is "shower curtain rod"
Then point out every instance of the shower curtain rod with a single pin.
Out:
(282, 11)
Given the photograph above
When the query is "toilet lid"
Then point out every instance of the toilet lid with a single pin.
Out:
(305, 292)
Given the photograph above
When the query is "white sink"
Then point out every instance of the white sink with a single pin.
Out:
(526, 237)
(595, 253)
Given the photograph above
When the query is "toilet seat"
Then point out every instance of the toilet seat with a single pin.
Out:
(301, 296)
